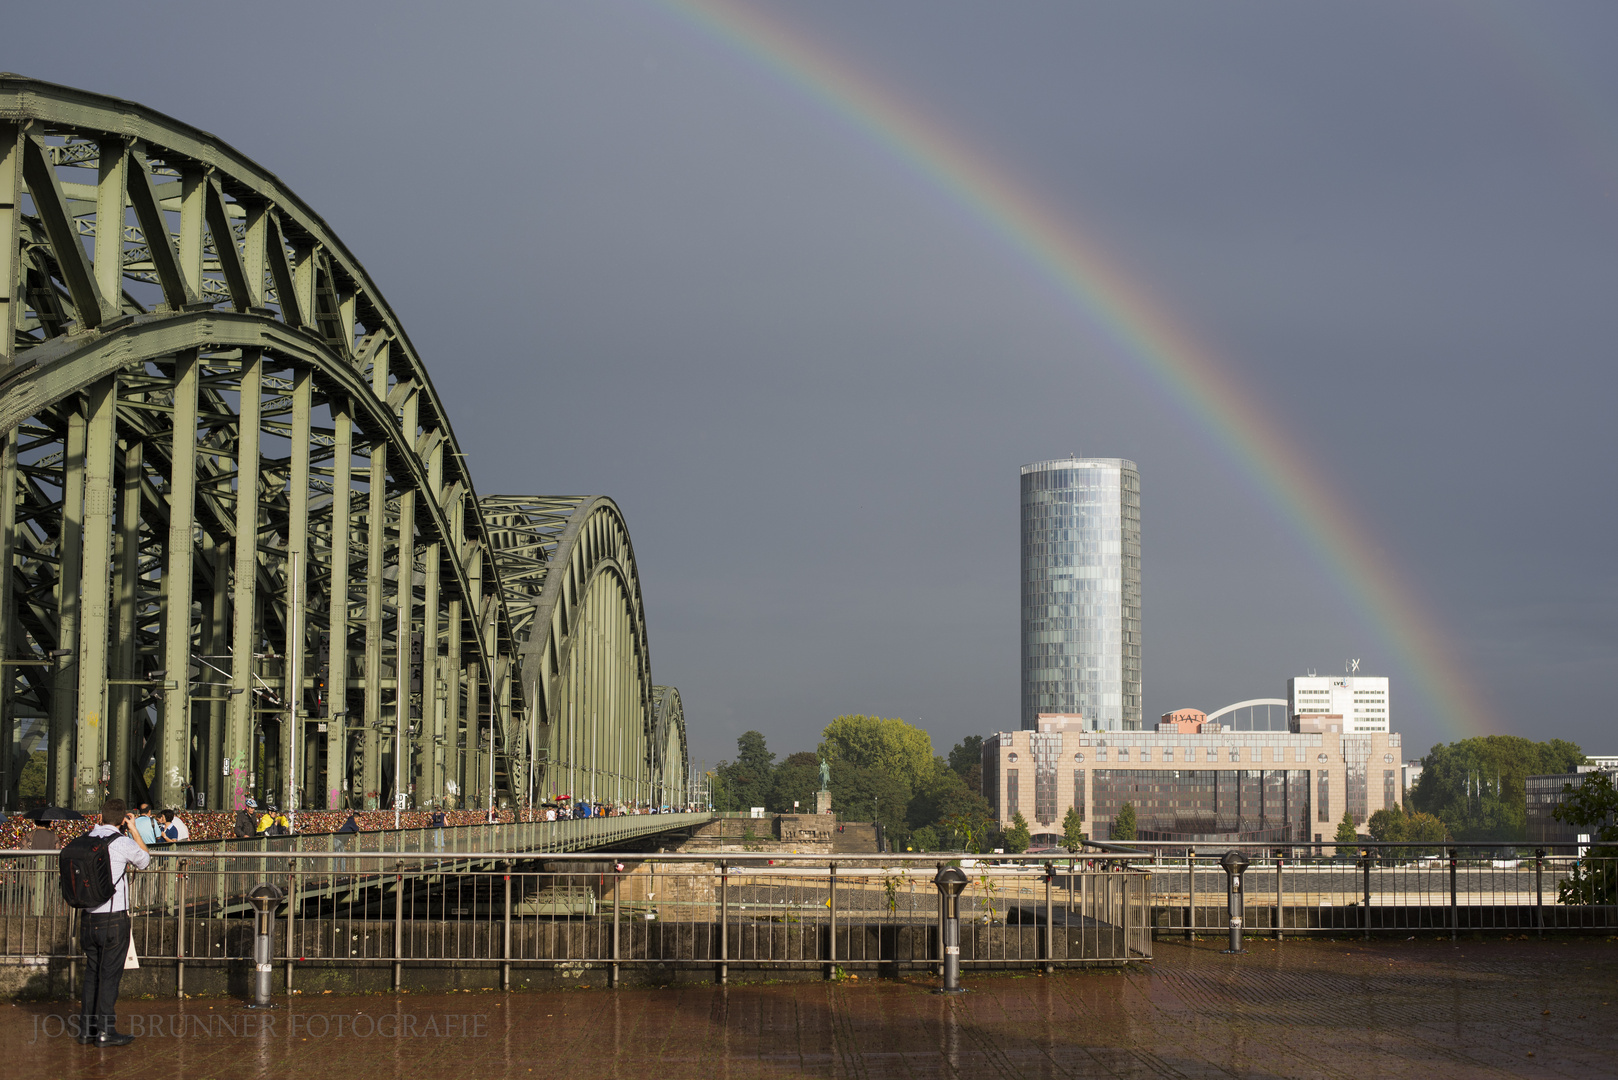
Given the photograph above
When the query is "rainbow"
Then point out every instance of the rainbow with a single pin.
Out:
(1146, 332)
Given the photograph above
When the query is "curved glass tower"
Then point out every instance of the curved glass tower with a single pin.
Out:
(1081, 591)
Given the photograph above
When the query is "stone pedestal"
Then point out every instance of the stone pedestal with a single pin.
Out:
(822, 802)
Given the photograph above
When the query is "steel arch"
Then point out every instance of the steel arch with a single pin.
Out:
(351, 632)
(574, 591)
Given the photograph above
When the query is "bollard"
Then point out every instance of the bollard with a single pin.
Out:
(266, 898)
(1234, 863)
(950, 881)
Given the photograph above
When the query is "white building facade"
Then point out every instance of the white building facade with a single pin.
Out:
(1359, 703)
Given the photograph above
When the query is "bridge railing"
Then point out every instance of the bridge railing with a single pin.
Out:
(524, 908)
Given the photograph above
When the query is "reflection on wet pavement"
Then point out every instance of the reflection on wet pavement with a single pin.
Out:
(1317, 1008)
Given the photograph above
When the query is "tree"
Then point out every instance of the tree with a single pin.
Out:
(1123, 826)
(890, 746)
(1017, 836)
(1592, 804)
(747, 780)
(1073, 836)
(925, 839)
(861, 794)
(1347, 833)
(966, 759)
(960, 816)
(31, 779)
(1388, 825)
(796, 779)
(1476, 786)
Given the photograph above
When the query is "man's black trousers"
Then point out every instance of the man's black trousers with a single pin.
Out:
(105, 938)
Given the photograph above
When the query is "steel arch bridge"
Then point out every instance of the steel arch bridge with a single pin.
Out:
(240, 550)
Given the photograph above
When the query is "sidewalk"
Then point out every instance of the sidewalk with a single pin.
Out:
(1421, 1009)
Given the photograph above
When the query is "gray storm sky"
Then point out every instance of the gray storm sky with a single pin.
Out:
(640, 262)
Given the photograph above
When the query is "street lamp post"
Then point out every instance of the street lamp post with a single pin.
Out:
(950, 881)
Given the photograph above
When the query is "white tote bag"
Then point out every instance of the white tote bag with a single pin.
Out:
(131, 958)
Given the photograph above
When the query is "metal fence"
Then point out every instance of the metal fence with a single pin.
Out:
(1299, 889)
(517, 909)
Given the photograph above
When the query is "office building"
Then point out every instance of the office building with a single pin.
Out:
(1351, 704)
(1546, 791)
(1260, 786)
(1081, 592)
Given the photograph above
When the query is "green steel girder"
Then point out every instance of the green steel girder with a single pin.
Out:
(150, 520)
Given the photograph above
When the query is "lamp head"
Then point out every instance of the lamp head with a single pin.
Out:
(950, 881)
(1234, 862)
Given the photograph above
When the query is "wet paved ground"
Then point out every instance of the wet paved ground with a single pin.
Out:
(1425, 1009)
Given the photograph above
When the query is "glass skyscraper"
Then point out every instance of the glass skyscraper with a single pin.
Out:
(1081, 591)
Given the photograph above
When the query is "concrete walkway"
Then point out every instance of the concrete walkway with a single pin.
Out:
(1423, 1009)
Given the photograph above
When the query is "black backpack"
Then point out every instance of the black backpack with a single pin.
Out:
(85, 865)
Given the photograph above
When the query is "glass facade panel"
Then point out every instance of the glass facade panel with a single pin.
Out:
(1011, 794)
(1204, 802)
(1047, 750)
(1389, 789)
(1356, 792)
(1081, 639)
(1323, 796)
(1078, 792)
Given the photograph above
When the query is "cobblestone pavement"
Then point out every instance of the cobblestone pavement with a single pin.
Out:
(1425, 1009)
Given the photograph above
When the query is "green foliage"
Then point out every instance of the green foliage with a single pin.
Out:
(1017, 836)
(889, 746)
(1395, 825)
(747, 780)
(31, 781)
(1347, 833)
(966, 753)
(724, 800)
(1476, 786)
(966, 759)
(925, 839)
(796, 779)
(1592, 804)
(1388, 825)
(857, 791)
(961, 817)
(1123, 826)
(1073, 835)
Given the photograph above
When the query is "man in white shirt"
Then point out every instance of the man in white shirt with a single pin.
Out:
(105, 930)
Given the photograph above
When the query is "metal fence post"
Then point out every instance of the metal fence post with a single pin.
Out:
(617, 893)
(1050, 921)
(1191, 895)
(179, 934)
(1539, 891)
(398, 925)
(505, 951)
(1455, 922)
(724, 921)
(1279, 909)
(292, 916)
(1365, 911)
(831, 924)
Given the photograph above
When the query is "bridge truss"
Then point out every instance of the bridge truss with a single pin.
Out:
(240, 550)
